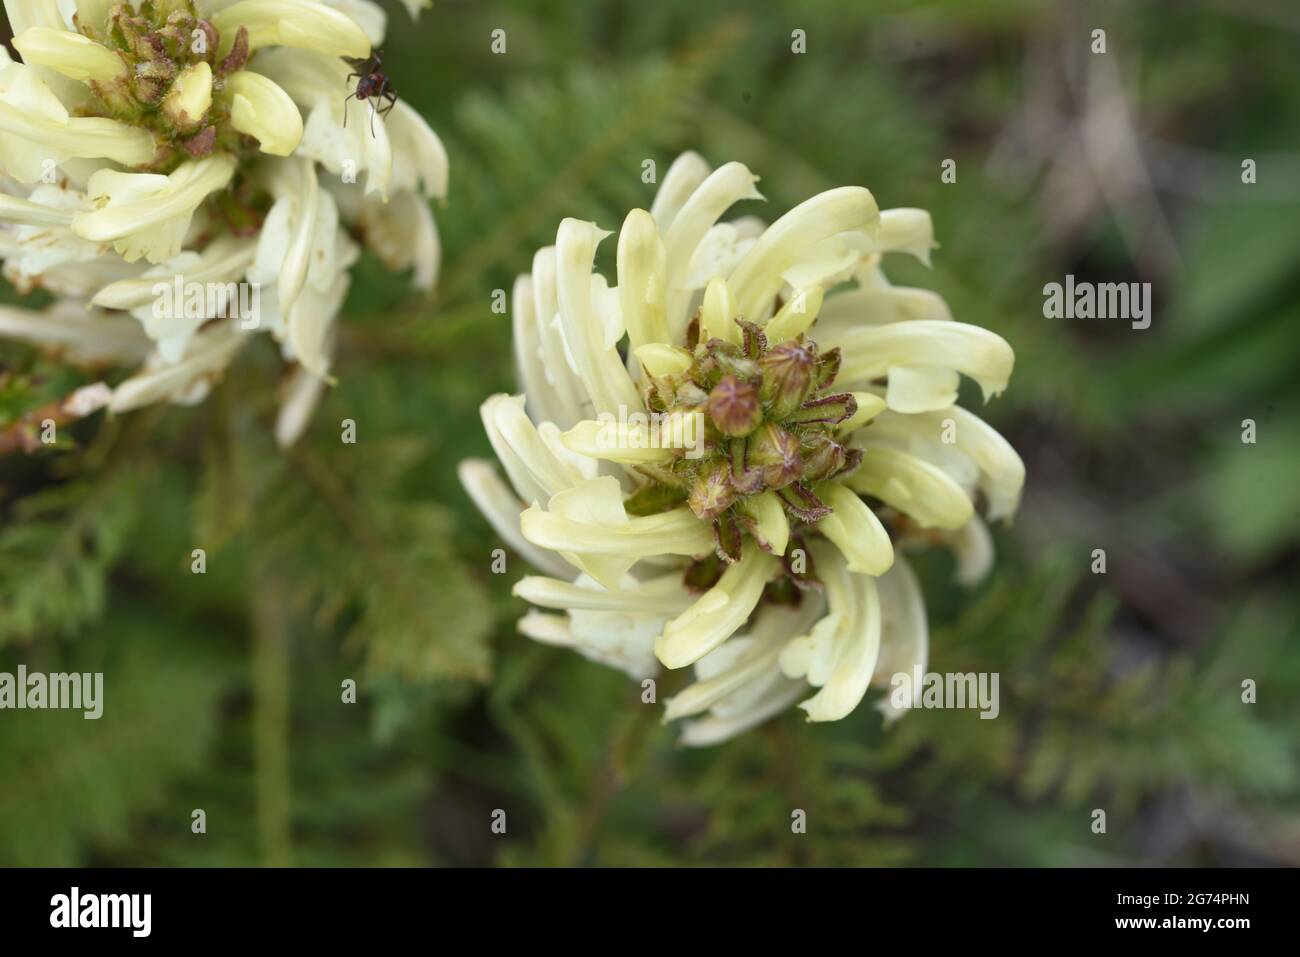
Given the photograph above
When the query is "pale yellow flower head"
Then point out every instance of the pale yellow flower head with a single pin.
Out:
(210, 143)
(720, 453)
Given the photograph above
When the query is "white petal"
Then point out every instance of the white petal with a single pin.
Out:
(854, 527)
(80, 335)
(871, 351)
(60, 262)
(559, 630)
(726, 186)
(906, 230)
(718, 313)
(641, 259)
(569, 401)
(795, 316)
(973, 547)
(659, 359)
(190, 98)
(829, 262)
(343, 135)
(265, 112)
(870, 405)
(905, 633)
(27, 213)
(589, 526)
(718, 613)
(583, 467)
(530, 368)
(301, 395)
(616, 636)
(920, 388)
(224, 259)
(413, 7)
(24, 14)
(658, 596)
(419, 158)
(36, 128)
(741, 662)
(71, 54)
(880, 304)
(622, 442)
(292, 23)
(370, 17)
(92, 12)
(812, 655)
(772, 528)
(912, 486)
(609, 315)
(601, 369)
(684, 176)
(718, 254)
(147, 215)
(499, 505)
(310, 323)
(758, 277)
(404, 235)
(712, 730)
(294, 184)
(854, 666)
(737, 664)
(187, 381)
(163, 299)
(951, 438)
(534, 470)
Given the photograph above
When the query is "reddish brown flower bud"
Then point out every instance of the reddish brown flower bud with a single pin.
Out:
(776, 452)
(718, 358)
(712, 493)
(788, 376)
(822, 457)
(734, 406)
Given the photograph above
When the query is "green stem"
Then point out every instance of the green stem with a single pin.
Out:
(629, 747)
(269, 621)
(271, 726)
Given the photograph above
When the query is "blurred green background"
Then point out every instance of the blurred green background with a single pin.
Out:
(1119, 691)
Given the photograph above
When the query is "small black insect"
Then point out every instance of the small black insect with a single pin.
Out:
(371, 84)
